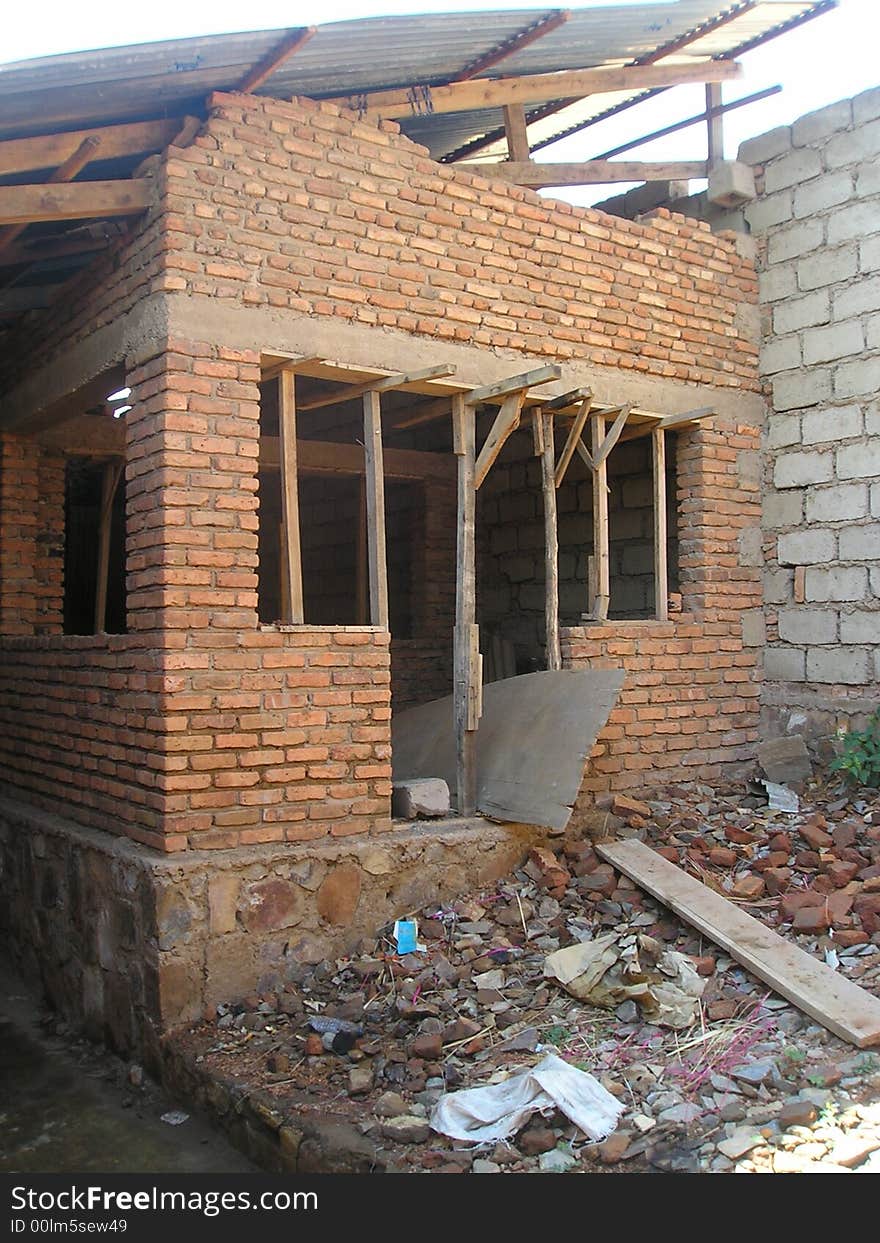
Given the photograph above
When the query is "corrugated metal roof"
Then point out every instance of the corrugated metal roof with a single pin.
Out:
(156, 79)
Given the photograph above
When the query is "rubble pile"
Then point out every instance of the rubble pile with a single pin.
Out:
(722, 1076)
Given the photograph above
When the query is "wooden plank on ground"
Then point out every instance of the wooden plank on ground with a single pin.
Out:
(375, 484)
(292, 565)
(828, 997)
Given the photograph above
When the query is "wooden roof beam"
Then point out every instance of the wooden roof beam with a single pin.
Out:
(540, 176)
(74, 164)
(79, 200)
(533, 88)
(264, 69)
(26, 155)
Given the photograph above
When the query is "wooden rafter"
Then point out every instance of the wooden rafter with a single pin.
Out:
(539, 176)
(522, 39)
(288, 47)
(80, 200)
(25, 155)
(489, 93)
(75, 163)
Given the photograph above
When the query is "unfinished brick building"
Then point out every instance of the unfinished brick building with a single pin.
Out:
(238, 453)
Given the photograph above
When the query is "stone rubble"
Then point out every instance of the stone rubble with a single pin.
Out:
(754, 1086)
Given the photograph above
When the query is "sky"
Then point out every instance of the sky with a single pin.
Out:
(833, 57)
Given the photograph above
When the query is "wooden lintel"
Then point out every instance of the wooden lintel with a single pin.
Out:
(348, 392)
(78, 200)
(293, 592)
(275, 59)
(506, 423)
(25, 155)
(374, 472)
(534, 88)
(573, 440)
(541, 176)
(513, 384)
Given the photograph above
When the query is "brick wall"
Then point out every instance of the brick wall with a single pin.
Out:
(31, 538)
(817, 221)
(301, 209)
(689, 707)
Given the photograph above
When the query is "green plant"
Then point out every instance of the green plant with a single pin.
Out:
(859, 757)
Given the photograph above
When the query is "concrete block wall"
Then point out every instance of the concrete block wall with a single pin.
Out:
(817, 224)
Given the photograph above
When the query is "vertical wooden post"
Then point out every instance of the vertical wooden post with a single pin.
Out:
(375, 484)
(714, 125)
(516, 133)
(110, 482)
(551, 543)
(362, 603)
(661, 572)
(290, 547)
(600, 523)
(467, 692)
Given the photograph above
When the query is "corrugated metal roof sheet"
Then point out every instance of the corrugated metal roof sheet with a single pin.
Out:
(155, 79)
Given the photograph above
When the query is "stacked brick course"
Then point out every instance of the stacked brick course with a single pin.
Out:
(818, 224)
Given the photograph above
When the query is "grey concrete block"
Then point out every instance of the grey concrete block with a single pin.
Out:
(796, 390)
(731, 184)
(785, 664)
(822, 193)
(796, 470)
(810, 547)
(808, 626)
(783, 430)
(769, 210)
(420, 798)
(810, 129)
(862, 626)
(827, 267)
(795, 240)
(848, 666)
(861, 376)
(875, 500)
(842, 502)
(754, 628)
(859, 461)
(867, 179)
(751, 547)
(833, 424)
(780, 354)
(859, 297)
(792, 169)
(839, 340)
(777, 282)
(785, 760)
(860, 543)
(857, 220)
(796, 313)
(869, 254)
(766, 146)
(866, 106)
(853, 146)
(836, 582)
(778, 586)
(782, 509)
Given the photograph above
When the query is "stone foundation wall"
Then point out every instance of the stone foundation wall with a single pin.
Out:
(129, 944)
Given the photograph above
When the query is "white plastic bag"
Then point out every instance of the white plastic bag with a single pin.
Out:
(494, 1112)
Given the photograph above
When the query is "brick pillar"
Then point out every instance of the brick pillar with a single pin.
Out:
(192, 453)
(31, 538)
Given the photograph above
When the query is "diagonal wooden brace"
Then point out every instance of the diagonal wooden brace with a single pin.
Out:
(506, 423)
